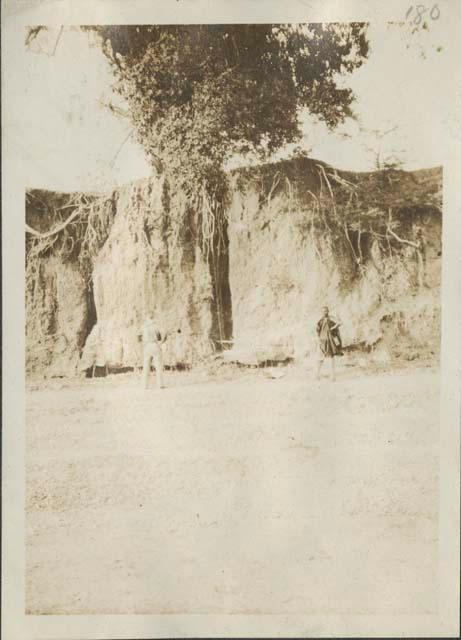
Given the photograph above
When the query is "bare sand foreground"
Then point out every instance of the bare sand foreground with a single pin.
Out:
(235, 494)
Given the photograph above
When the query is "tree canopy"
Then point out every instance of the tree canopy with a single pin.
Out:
(199, 94)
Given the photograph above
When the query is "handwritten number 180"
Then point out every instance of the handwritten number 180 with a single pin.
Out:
(420, 10)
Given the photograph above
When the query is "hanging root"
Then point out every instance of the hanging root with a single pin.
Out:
(80, 235)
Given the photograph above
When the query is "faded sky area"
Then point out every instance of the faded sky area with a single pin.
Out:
(69, 140)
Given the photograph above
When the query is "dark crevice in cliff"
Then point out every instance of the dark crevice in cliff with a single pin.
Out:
(221, 306)
(91, 318)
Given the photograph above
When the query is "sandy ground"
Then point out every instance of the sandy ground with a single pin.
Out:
(234, 494)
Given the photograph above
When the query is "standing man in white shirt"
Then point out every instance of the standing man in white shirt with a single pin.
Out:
(152, 351)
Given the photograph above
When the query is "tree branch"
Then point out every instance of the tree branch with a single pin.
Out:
(402, 240)
(57, 40)
(125, 140)
(57, 229)
(32, 33)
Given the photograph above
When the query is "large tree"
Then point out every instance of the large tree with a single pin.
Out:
(198, 95)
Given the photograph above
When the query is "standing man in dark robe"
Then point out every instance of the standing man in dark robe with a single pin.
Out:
(329, 341)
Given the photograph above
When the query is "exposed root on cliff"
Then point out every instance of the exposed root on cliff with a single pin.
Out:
(80, 235)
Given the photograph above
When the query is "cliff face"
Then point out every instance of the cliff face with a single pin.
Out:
(82, 312)
(376, 264)
(144, 267)
(298, 235)
(59, 313)
(57, 326)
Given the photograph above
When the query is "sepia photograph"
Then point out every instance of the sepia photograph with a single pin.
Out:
(233, 258)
